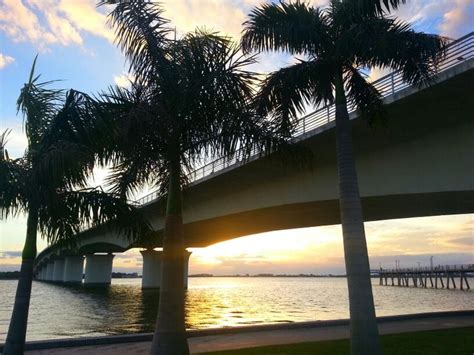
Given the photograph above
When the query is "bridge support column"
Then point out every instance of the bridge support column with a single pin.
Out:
(58, 270)
(187, 254)
(98, 269)
(73, 269)
(43, 273)
(151, 269)
(49, 271)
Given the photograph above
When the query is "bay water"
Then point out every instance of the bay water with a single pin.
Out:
(58, 311)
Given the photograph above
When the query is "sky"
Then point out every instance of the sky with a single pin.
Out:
(75, 46)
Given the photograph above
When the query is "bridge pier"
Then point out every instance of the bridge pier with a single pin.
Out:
(73, 269)
(49, 271)
(58, 270)
(151, 269)
(98, 269)
(40, 276)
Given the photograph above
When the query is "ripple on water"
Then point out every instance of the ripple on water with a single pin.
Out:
(58, 311)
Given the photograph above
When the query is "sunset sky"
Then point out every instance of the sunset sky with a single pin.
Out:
(75, 45)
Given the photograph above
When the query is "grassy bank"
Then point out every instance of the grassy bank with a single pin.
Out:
(458, 341)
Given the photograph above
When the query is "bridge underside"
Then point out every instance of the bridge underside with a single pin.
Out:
(322, 213)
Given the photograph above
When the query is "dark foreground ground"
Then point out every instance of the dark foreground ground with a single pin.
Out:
(455, 341)
(449, 333)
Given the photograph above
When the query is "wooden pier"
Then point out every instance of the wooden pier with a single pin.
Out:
(428, 277)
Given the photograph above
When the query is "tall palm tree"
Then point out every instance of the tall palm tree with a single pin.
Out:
(49, 183)
(191, 99)
(335, 43)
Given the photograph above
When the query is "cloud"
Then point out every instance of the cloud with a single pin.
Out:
(124, 80)
(63, 31)
(5, 60)
(85, 16)
(377, 73)
(10, 254)
(412, 260)
(451, 18)
(20, 23)
(64, 22)
(16, 141)
(225, 16)
(217, 15)
(459, 19)
(47, 22)
(462, 242)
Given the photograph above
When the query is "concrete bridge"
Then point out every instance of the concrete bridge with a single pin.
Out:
(420, 165)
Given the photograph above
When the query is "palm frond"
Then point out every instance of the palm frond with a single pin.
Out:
(140, 143)
(3, 145)
(140, 32)
(201, 108)
(38, 105)
(217, 91)
(287, 92)
(386, 42)
(67, 213)
(293, 27)
(377, 7)
(70, 143)
(13, 182)
(365, 97)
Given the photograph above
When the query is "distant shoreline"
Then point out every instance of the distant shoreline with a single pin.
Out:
(14, 275)
(9, 275)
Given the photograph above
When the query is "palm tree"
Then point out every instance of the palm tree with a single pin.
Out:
(190, 100)
(49, 183)
(335, 44)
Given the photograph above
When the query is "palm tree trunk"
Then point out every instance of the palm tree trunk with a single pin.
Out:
(170, 334)
(364, 332)
(16, 336)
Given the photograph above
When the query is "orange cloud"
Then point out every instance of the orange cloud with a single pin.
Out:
(20, 23)
(46, 22)
(459, 17)
(86, 17)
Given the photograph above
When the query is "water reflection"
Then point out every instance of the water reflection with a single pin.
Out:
(120, 308)
(59, 311)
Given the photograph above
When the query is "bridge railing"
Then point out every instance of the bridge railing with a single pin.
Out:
(457, 52)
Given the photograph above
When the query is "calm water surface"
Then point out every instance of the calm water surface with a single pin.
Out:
(59, 311)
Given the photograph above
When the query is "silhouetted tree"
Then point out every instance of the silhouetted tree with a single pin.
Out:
(49, 183)
(336, 42)
(190, 99)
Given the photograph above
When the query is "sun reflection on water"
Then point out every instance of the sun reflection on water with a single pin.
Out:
(59, 312)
